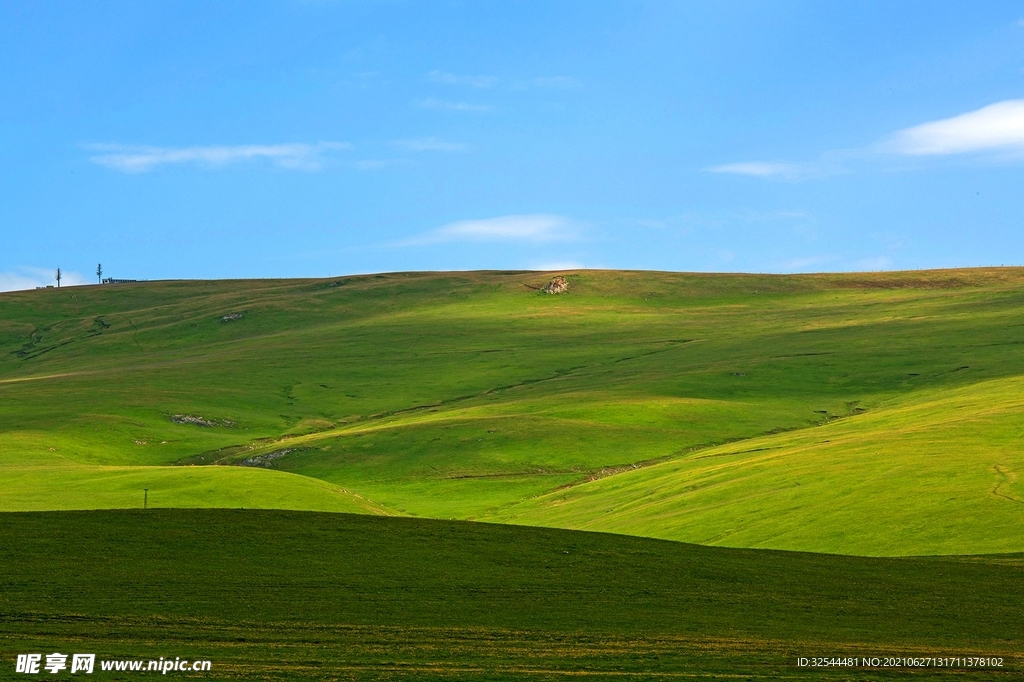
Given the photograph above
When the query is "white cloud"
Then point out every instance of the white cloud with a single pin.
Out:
(442, 105)
(30, 278)
(535, 228)
(998, 127)
(472, 81)
(563, 82)
(430, 144)
(766, 169)
(139, 159)
(16, 281)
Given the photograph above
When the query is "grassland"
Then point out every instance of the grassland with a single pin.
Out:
(883, 483)
(277, 595)
(871, 414)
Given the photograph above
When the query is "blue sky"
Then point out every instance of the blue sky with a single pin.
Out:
(306, 139)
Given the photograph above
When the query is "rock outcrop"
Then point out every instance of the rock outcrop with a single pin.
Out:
(558, 285)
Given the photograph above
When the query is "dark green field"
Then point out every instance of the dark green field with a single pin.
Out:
(310, 596)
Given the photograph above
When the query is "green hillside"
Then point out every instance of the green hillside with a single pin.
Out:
(857, 413)
(276, 595)
(934, 473)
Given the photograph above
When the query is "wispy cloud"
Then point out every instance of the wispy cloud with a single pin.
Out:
(443, 105)
(430, 144)
(563, 82)
(140, 158)
(372, 164)
(768, 169)
(534, 228)
(30, 278)
(996, 130)
(876, 263)
(472, 81)
(805, 264)
(997, 127)
(833, 263)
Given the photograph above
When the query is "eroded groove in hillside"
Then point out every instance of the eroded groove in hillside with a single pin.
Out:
(615, 470)
(32, 349)
(674, 343)
(509, 474)
(211, 457)
(1008, 479)
(135, 333)
(732, 453)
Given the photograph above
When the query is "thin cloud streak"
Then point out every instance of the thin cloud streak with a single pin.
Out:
(430, 144)
(472, 81)
(534, 228)
(994, 128)
(372, 164)
(769, 169)
(442, 105)
(873, 264)
(140, 159)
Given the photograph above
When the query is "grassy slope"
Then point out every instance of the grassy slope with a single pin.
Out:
(932, 474)
(474, 396)
(121, 487)
(286, 595)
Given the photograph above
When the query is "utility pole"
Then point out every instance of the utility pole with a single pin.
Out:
(99, 273)
(58, 278)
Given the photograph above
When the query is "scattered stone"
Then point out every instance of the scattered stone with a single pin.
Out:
(196, 420)
(558, 285)
(265, 460)
(191, 419)
(231, 316)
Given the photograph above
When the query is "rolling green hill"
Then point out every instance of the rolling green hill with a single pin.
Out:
(859, 413)
(276, 595)
(934, 474)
